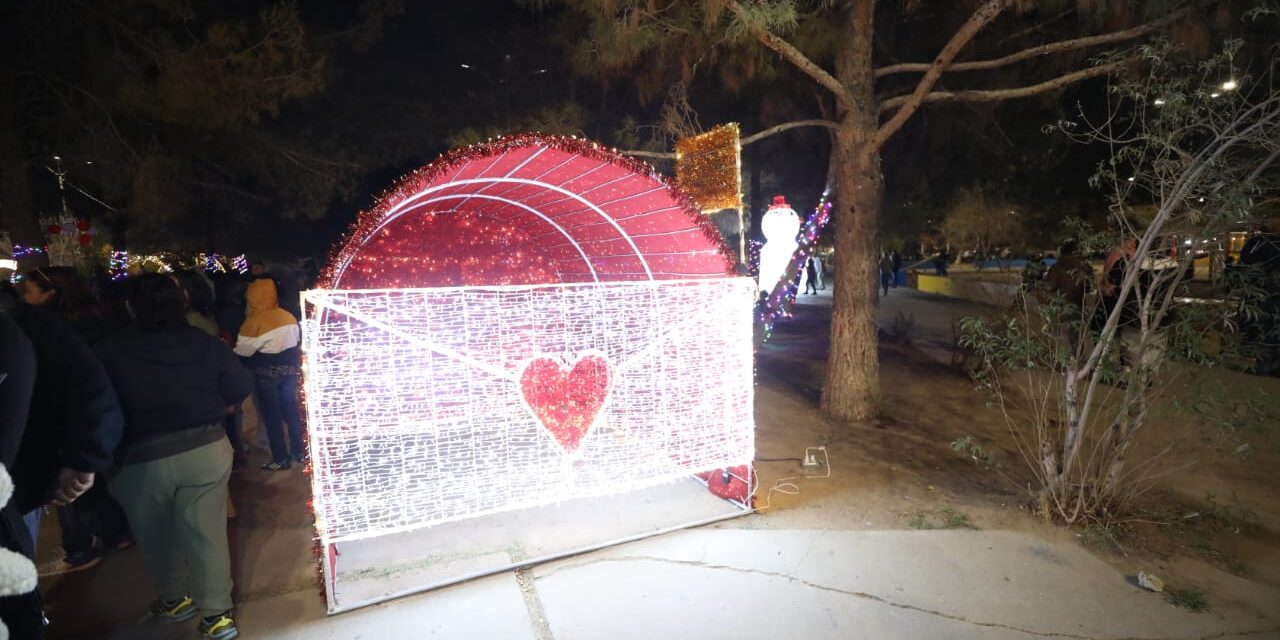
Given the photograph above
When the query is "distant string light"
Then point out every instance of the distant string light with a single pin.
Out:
(22, 251)
(118, 265)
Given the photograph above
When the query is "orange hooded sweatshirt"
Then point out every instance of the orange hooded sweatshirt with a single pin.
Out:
(269, 335)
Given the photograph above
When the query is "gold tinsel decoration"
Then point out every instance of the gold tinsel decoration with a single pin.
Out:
(709, 168)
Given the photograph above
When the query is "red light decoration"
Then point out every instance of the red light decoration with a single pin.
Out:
(540, 298)
(528, 209)
(82, 225)
(566, 400)
(53, 229)
(85, 239)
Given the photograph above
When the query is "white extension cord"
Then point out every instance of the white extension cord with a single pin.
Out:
(788, 486)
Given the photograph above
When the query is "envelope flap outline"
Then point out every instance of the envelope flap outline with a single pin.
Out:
(513, 372)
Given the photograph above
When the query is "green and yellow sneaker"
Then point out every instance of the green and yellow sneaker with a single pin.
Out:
(219, 627)
(174, 610)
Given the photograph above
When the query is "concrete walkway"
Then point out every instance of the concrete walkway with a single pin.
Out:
(785, 584)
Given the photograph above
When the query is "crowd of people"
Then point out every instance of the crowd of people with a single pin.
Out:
(122, 412)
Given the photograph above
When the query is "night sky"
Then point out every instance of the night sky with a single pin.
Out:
(396, 104)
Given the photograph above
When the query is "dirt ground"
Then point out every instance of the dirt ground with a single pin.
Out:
(1211, 525)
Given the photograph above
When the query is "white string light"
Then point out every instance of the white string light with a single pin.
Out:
(420, 410)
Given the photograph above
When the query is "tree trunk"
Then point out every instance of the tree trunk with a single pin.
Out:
(851, 390)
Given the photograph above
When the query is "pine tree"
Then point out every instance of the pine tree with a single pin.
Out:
(831, 42)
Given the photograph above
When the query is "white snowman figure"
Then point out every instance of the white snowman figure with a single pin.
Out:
(17, 573)
(780, 226)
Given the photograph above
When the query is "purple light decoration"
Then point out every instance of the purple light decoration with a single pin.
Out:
(779, 304)
(118, 266)
(21, 251)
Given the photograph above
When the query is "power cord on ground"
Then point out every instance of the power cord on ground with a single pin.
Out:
(788, 486)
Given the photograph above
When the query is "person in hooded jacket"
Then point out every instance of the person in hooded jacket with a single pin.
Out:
(176, 384)
(268, 342)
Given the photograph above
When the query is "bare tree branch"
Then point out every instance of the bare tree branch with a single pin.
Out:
(1253, 175)
(795, 57)
(658, 155)
(992, 95)
(756, 137)
(751, 139)
(1042, 50)
(980, 18)
(1038, 26)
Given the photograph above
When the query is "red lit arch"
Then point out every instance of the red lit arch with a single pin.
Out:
(529, 209)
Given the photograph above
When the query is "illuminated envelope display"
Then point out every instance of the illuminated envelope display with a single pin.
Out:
(534, 324)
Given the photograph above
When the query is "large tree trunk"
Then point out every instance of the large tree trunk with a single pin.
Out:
(852, 387)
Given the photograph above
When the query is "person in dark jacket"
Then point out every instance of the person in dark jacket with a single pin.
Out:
(65, 292)
(23, 614)
(200, 314)
(74, 423)
(268, 343)
(176, 384)
(1070, 277)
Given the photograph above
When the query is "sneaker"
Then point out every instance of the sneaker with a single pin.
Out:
(72, 564)
(219, 627)
(174, 610)
(276, 466)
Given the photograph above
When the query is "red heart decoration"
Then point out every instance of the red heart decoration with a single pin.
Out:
(566, 400)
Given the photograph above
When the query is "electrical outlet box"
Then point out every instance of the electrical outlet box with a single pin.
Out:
(811, 456)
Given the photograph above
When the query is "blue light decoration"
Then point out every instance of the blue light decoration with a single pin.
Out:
(22, 251)
(118, 265)
(778, 305)
(753, 259)
(211, 264)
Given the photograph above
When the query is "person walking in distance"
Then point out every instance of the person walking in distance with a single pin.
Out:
(268, 343)
(176, 384)
(810, 276)
(886, 272)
